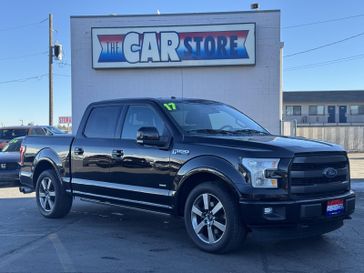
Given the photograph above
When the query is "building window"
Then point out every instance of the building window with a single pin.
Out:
(357, 110)
(293, 110)
(316, 110)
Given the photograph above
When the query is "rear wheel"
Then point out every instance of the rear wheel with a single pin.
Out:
(212, 218)
(52, 199)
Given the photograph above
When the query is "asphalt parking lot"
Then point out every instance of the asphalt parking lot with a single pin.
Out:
(98, 238)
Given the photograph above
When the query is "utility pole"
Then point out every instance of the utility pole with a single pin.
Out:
(50, 20)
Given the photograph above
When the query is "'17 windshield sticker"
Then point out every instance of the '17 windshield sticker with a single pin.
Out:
(170, 106)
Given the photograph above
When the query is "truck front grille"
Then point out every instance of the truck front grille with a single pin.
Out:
(309, 174)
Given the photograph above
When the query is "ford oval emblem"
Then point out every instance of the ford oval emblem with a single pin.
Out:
(330, 172)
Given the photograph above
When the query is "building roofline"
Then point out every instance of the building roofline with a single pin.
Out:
(173, 14)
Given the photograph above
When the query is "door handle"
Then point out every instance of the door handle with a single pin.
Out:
(78, 151)
(117, 153)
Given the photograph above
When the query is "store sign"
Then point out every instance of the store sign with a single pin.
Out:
(202, 45)
(65, 120)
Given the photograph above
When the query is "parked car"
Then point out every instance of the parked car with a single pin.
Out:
(9, 160)
(8, 133)
(203, 160)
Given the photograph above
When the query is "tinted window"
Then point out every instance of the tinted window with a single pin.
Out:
(12, 133)
(102, 122)
(13, 145)
(141, 116)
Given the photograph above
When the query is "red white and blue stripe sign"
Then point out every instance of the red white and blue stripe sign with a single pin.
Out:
(202, 45)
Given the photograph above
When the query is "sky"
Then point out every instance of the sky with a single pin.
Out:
(24, 45)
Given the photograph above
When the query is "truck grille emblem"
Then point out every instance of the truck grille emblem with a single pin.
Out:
(330, 172)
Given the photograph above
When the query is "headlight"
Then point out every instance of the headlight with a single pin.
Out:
(260, 170)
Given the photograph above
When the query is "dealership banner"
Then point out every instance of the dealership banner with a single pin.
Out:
(200, 45)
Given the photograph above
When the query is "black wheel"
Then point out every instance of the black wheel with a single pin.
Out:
(213, 220)
(52, 200)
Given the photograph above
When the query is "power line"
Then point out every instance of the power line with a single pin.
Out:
(319, 64)
(324, 45)
(38, 77)
(324, 21)
(24, 26)
(23, 56)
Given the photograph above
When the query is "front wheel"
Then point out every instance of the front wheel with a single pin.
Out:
(52, 199)
(212, 218)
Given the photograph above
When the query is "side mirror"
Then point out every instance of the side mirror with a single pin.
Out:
(149, 136)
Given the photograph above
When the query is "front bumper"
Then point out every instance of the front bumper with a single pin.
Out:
(310, 214)
(9, 175)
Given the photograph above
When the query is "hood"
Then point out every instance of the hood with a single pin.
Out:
(9, 157)
(281, 146)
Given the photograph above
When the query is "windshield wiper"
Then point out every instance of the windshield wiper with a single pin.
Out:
(250, 132)
(211, 131)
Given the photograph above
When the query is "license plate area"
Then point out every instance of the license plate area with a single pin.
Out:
(335, 207)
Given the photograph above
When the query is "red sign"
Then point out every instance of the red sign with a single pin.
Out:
(65, 120)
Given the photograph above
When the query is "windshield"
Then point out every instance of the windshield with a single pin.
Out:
(12, 133)
(55, 131)
(211, 118)
(13, 145)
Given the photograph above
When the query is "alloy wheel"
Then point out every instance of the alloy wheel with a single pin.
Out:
(208, 218)
(47, 194)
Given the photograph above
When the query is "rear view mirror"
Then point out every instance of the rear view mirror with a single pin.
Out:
(148, 136)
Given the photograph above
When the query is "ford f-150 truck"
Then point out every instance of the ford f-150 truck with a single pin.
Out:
(199, 159)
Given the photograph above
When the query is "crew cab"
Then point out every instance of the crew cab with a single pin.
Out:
(198, 159)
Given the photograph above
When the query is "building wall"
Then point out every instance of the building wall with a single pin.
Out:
(253, 89)
(305, 118)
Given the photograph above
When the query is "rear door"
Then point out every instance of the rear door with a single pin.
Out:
(91, 154)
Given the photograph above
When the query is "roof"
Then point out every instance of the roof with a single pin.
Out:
(334, 96)
(158, 100)
(175, 14)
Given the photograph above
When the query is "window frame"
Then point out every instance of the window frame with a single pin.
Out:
(317, 114)
(116, 130)
(358, 105)
(300, 107)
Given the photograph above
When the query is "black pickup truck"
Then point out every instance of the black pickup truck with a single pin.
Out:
(203, 160)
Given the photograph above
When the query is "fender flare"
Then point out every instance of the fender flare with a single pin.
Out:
(213, 165)
(51, 157)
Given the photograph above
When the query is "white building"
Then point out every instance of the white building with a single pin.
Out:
(232, 57)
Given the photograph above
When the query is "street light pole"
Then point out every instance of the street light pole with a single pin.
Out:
(50, 69)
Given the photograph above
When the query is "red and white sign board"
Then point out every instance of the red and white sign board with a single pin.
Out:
(65, 120)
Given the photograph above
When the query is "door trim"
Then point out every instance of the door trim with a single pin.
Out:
(124, 187)
(81, 194)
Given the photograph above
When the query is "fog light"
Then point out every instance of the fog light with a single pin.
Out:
(268, 210)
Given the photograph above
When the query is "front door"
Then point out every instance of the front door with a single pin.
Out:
(342, 113)
(332, 114)
(143, 172)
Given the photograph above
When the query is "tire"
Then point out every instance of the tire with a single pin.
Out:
(212, 218)
(52, 199)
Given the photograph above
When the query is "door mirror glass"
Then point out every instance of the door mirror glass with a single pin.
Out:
(149, 136)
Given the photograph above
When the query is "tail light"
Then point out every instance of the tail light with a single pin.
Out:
(22, 152)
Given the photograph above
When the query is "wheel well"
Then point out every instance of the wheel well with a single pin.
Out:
(195, 180)
(41, 167)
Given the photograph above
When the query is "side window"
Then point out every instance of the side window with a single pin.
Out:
(37, 132)
(102, 122)
(141, 116)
